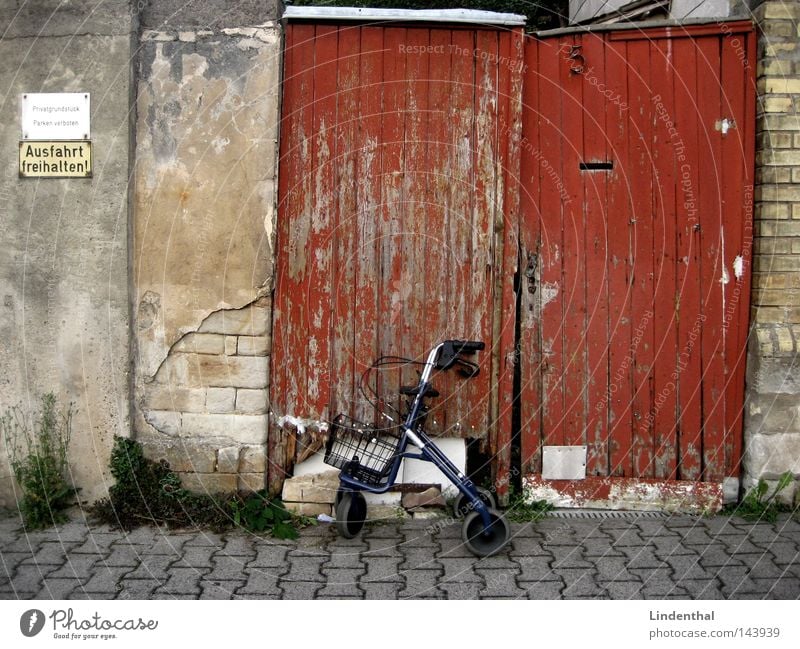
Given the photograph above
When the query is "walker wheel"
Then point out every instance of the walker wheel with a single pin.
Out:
(485, 542)
(339, 493)
(351, 513)
(462, 505)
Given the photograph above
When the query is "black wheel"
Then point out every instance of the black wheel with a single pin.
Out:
(351, 513)
(485, 542)
(339, 493)
(462, 505)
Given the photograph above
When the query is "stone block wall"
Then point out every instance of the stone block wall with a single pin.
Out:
(772, 415)
(207, 109)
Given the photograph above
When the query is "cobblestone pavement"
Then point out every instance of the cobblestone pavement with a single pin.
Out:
(559, 558)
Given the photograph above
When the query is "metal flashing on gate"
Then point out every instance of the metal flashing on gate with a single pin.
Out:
(470, 16)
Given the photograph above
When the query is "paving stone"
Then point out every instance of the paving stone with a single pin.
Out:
(421, 584)
(183, 581)
(384, 530)
(614, 569)
(569, 557)
(622, 589)
(123, 556)
(687, 567)
(219, 589)
(138, 588)
(305, 568)
(604, 548)
(204, 540)
(536, 569)
(459, 571)
(381, 590)
(380, 547)
(71, 532)
(702, 588)
(739, 544)
(717, 557)
(83, 595)
(500, 583)
(415, 537)
(341, 583)
(79, 566)
(542, 589)
(627, 536)
(97, 543)
(261, 581)
(671, 545)
(784, 553)
(657, 582)
(144, 535)
(382, 569)
(721, 526)
(528, 546)
(270, 555)
(697, 536)
(59, 588)
(196, 557)
(106, 580)
(420, 558)
(643, 557)
(461, 590)
(299, 589)
(453, 548)
(786, 587)
(650, 529)
(152, 567)
(524, 530)
(226, 568)
(342, 559)
(51, 553)
(239, 545)
(762, 567)
(167, 545)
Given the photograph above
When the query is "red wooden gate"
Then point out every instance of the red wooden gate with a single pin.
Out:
(395, 183)
(637, 189)
(582, 203)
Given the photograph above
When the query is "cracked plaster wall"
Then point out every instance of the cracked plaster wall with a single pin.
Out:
(207, 107)
(64, 299)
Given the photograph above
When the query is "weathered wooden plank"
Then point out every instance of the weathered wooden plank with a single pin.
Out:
(507, 221)
(368, 205)
(390, 316)
(478, 325)
(640, 174)
(595, 149)
(320, 170)
(714, 280)
(619, 188)
(664, 413)
(552, 194)
(573, 287)
(690, 316)
(344, 280)
(530, 354)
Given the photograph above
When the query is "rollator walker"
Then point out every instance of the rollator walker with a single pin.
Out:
(369, 457)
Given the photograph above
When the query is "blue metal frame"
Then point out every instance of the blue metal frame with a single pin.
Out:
(428, 451)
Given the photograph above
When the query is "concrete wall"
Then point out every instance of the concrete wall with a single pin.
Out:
(64, 324)
(772, 416)
(207, 106)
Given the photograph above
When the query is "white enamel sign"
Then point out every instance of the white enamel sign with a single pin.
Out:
(55, 116)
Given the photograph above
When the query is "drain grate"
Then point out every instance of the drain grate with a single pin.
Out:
(599, 514)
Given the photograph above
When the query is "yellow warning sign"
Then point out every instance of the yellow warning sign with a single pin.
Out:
(55, 159)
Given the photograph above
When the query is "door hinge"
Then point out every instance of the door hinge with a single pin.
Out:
(530, 271)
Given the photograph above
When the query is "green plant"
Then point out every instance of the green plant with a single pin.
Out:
(150, 492)
(257, 513)
(759, 504)
(521, 511)
(37, 449)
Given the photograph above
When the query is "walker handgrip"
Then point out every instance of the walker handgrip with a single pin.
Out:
(467, 346)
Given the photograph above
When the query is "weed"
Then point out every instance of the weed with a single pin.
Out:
(38, 457)
(758, 504)
(521, 511)
(150, 492)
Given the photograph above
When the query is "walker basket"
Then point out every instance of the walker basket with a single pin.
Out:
(363, 452)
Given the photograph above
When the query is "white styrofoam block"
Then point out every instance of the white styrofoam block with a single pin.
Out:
(417, 471)
(314, 464)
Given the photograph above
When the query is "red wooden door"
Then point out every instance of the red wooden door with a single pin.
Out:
(636, 228)
(395, 190)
